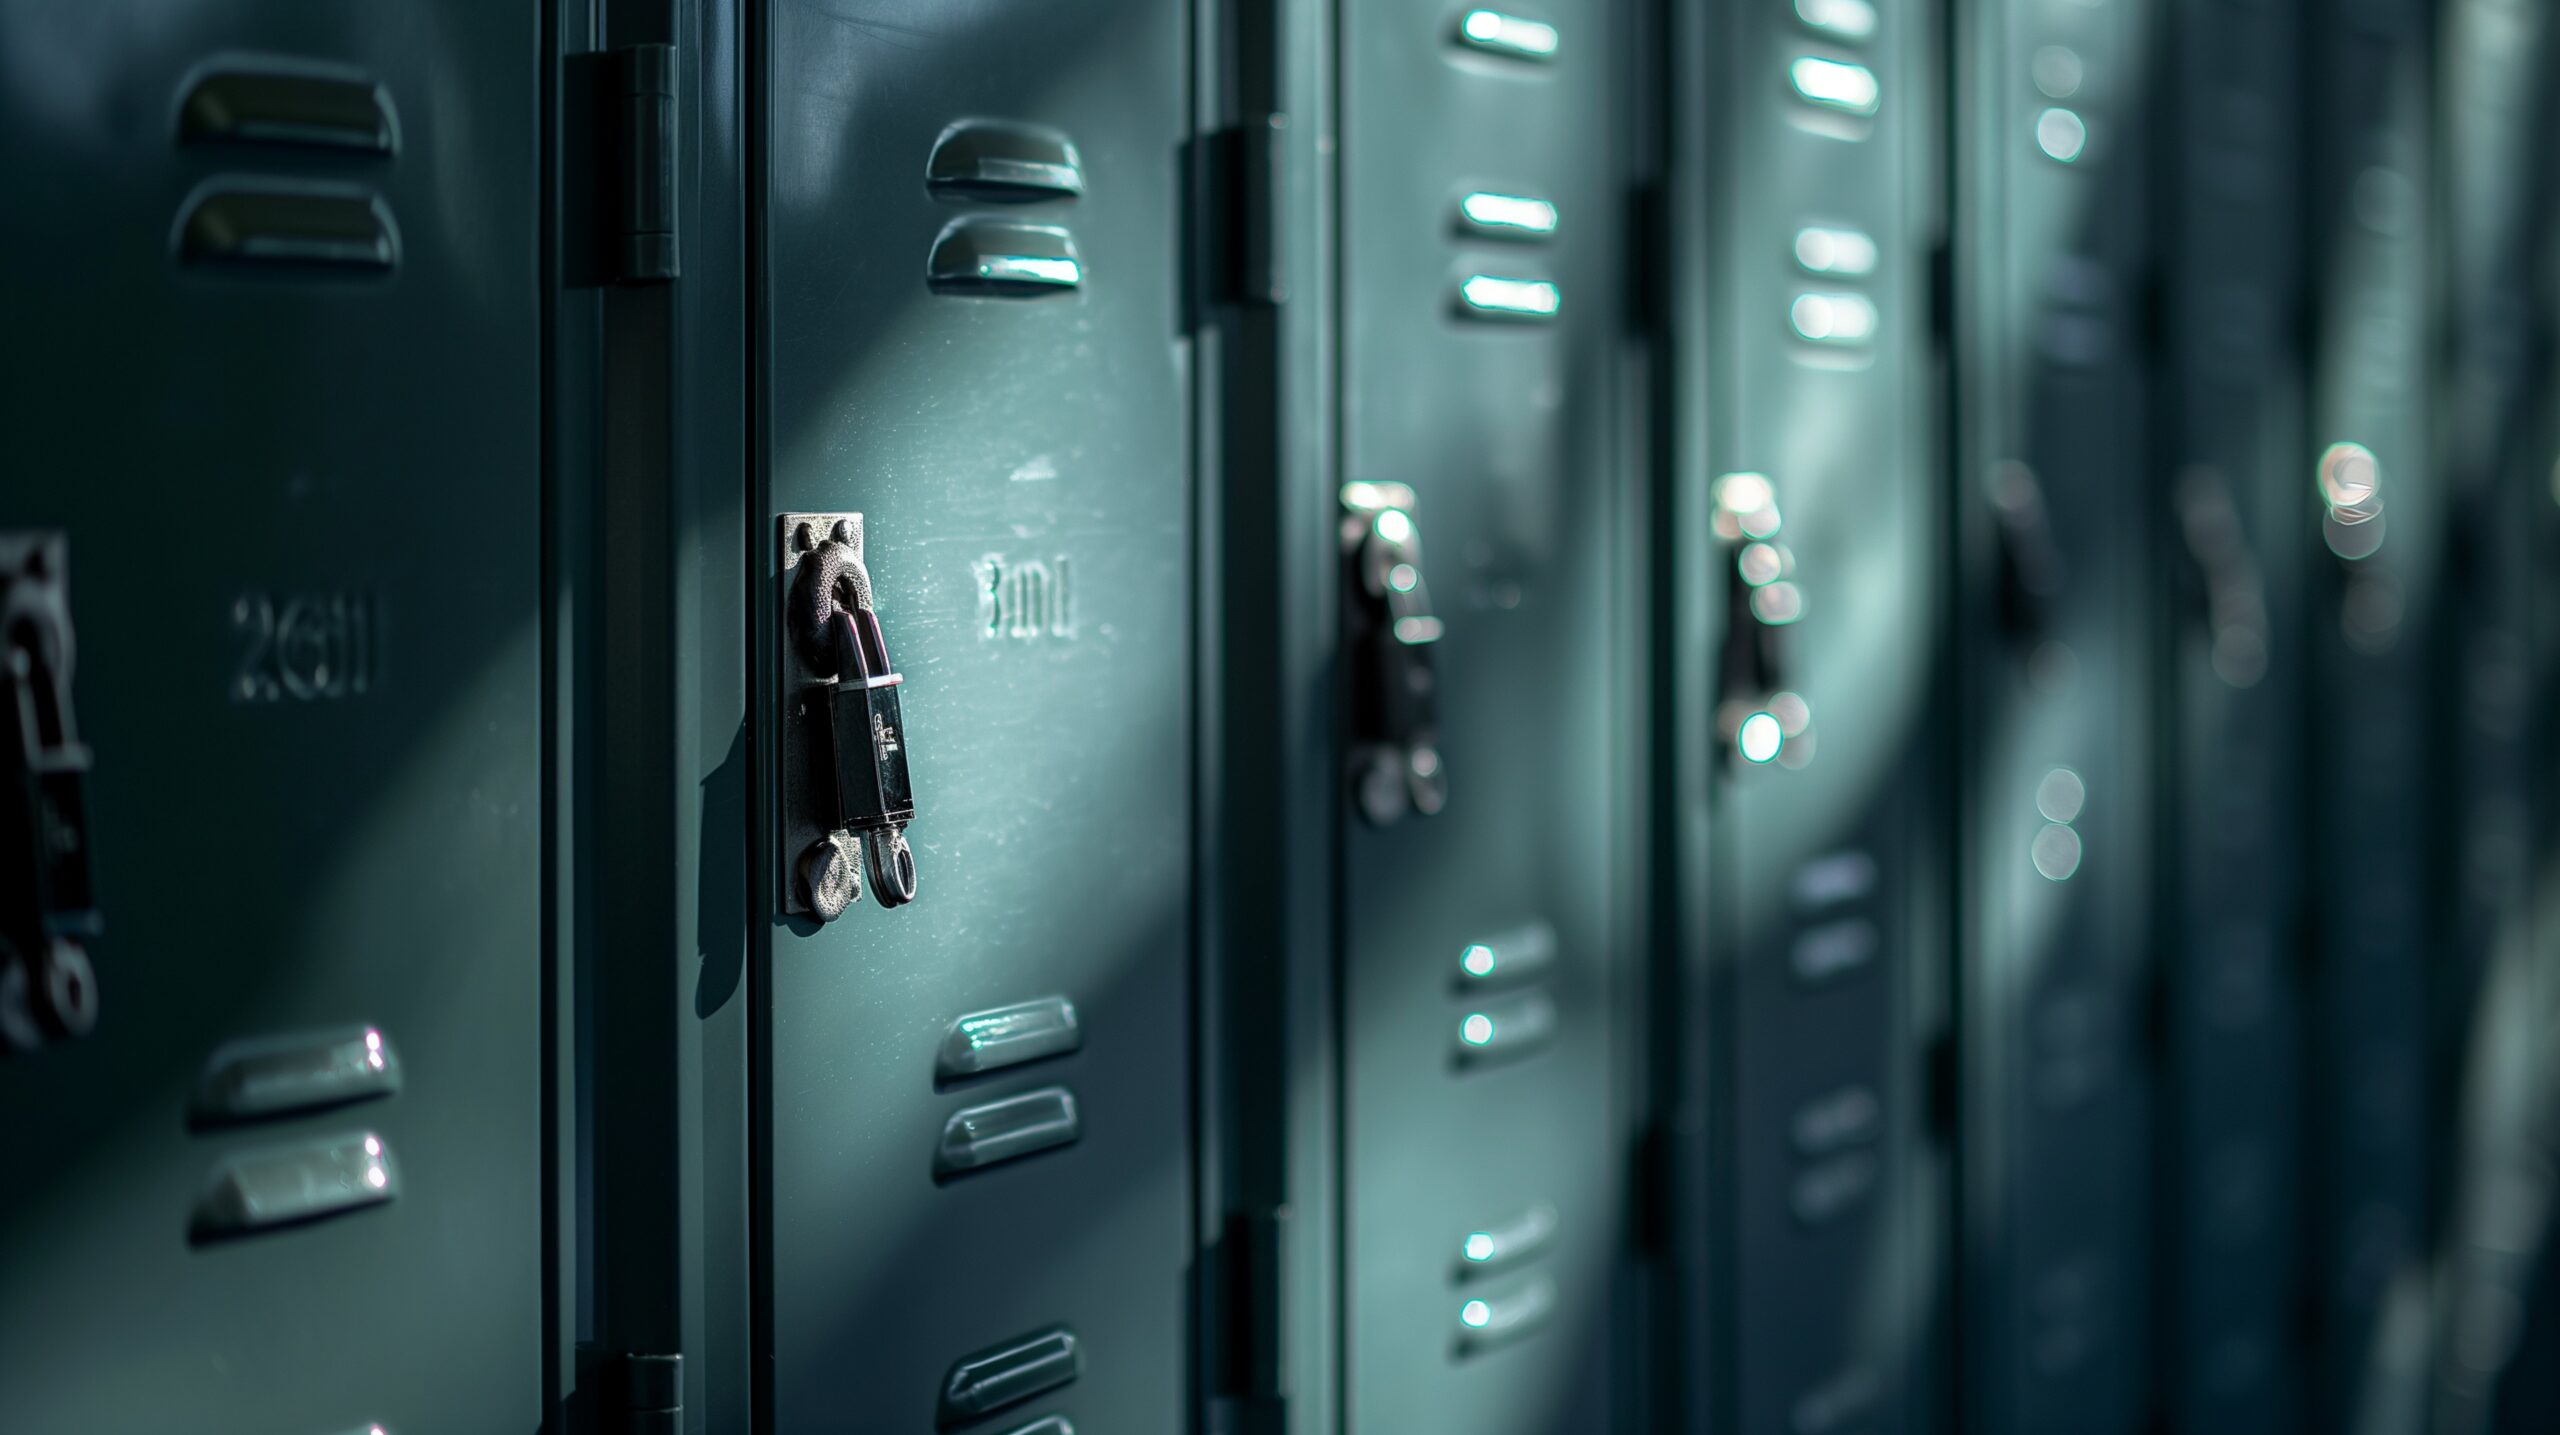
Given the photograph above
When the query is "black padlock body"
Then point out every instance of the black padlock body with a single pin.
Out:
(865, 737)
(1397, 700)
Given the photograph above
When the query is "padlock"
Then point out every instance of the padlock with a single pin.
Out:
(1395, 701)
(852, 729)
(47, 911)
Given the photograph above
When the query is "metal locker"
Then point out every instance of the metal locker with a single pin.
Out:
(2055, 497)
(291, 1176)
(2232, 861)
(976, 1163)
(2373, 614)
(1822, 535)
(1487, 682)
(2491, 1113)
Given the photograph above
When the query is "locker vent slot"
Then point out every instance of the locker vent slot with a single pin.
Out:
(997, 161)
(1505, 1030)
(1017, 1126)
(1486, 215)
(261, 1190)
(1519, 954)
(281, 223)
(1001, 259)
(1511, 37)
(1008, 1374)
(301, 1071)
(1497, 1248)
(1487, 1321)
(1507, 300)
(999, 1037)
(278, 101)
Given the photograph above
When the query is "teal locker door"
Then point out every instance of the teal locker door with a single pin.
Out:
(273, 380)
(978, 1135)
(1485, 1128)
(2233, 862)
(2057, 497)
(1826, 545)
(2378, 503)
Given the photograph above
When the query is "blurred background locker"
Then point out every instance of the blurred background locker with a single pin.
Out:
(1281, 717)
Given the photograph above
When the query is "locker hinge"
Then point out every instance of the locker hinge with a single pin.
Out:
(1249, 176)
(640, 1394)
(619, 218)
(1255, 1400)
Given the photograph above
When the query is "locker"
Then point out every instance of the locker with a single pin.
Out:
(977, 1158)
(2375, 623)
(1485, 974)
(1822, 536)
(2232, 865)
(273, 425)
(2485, 1150)
(2054, 493)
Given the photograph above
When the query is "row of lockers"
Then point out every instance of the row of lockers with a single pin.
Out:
(1792, 716)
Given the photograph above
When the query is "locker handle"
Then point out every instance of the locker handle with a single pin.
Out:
(1004, 162)
(282, 101)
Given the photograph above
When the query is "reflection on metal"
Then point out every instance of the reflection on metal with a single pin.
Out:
(1850, 20)
(1839, 252)
(1513, 1028)
(2058, 71)
(1489, 296)
(980, 1136)
(1836, 319)
(1486, 1321)
(1509, 36)
(1005, 1036)
(2061, 134)
(1506, 216)
(1759, 737)
(1499, 1247)
(2060, 795)
(1002, 259)
(1516, 955)
(1835, 85)
(285, 1185)
(273, 1075)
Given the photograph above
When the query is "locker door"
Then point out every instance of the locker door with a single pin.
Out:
(2374, 610)
(2233, 857)
(273, 383)
(1825, 539)
(2055, 495)
(978, 1134)
(1485, 1141)
(2493, 120)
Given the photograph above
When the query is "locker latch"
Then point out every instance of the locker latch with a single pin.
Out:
(1395, 701)
(850, 789)
(47, 913)
(1756, 715)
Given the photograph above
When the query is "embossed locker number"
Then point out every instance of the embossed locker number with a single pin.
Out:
(305, 647)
